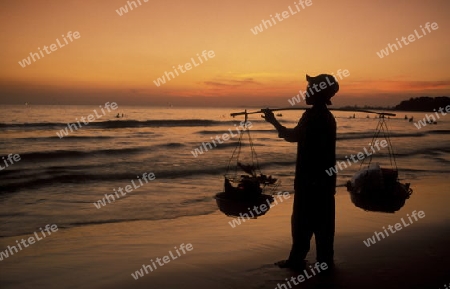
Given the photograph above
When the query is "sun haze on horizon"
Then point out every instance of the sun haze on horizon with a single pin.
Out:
(122, 49)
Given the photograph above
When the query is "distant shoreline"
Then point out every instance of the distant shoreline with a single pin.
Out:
(414, 104)
(343, 108)
(418, 104)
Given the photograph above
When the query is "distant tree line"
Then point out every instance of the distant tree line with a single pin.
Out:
(423, 103)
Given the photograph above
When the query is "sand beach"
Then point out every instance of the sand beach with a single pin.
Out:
(105, 256)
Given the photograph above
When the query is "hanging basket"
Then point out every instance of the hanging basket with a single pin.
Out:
(240, 207)
(374, 188)
(242, 180)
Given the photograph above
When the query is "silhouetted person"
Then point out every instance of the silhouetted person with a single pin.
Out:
(314, 204)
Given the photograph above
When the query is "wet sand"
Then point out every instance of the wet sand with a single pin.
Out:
(104, 256)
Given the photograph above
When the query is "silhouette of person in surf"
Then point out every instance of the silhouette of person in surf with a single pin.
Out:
(314, 204)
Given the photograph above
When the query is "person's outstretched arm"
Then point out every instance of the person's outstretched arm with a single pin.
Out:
(289, 134)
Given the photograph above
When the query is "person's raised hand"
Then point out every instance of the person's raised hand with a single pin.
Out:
(269, 116)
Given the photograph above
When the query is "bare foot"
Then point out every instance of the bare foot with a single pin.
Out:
(291, 265)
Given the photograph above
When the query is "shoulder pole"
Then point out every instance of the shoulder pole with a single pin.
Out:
(246, 113)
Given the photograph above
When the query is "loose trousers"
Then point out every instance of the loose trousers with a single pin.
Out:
(313, 213)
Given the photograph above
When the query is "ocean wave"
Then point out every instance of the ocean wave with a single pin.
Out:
(170, 145)
(369, 135)
(123, 124)
(430, 151)
(439, 131)
(197, 200)
(174, 214)
(30, 179)
(73, 137)
(233, 130)
(76, 154)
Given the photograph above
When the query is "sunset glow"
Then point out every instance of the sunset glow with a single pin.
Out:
(120, 54)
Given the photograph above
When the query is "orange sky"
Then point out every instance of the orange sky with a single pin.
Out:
(117, 58)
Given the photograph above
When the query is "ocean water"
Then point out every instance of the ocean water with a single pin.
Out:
(58, 180)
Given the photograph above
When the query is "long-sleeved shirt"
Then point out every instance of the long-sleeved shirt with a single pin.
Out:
(315, 134)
